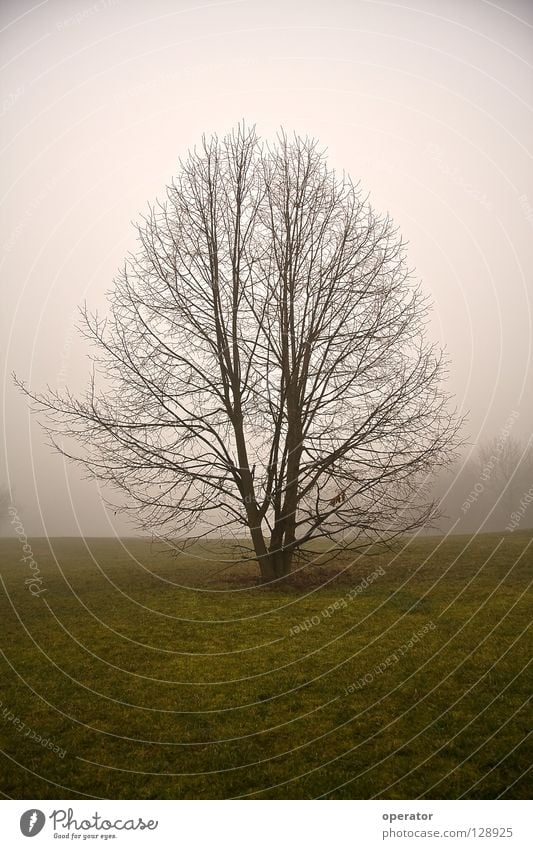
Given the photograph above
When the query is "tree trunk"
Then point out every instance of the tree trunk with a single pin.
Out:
(276, 564)
(282, 563)
(266, 567)
(264, 559)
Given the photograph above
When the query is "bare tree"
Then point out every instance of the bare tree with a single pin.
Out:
(264, 361)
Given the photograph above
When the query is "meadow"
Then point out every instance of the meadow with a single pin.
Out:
(133, 672)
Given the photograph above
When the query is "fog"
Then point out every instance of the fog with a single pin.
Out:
(428, 104)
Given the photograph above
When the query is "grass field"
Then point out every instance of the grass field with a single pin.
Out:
(155, 678)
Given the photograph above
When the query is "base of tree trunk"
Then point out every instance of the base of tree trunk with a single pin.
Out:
(274, 568)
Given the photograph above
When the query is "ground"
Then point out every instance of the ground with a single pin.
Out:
(134, 673)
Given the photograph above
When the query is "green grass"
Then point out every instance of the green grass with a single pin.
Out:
(163, 680)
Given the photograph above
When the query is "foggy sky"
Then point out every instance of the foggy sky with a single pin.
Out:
(429, 104)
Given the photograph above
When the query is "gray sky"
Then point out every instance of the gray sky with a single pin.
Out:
(428, 103)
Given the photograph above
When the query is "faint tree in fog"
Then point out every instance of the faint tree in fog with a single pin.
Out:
(263, 363)
(5, 501)
(506, 467)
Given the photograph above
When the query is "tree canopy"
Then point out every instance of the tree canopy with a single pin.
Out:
(263, 367)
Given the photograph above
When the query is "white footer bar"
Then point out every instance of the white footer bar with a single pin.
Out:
(266, 824)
